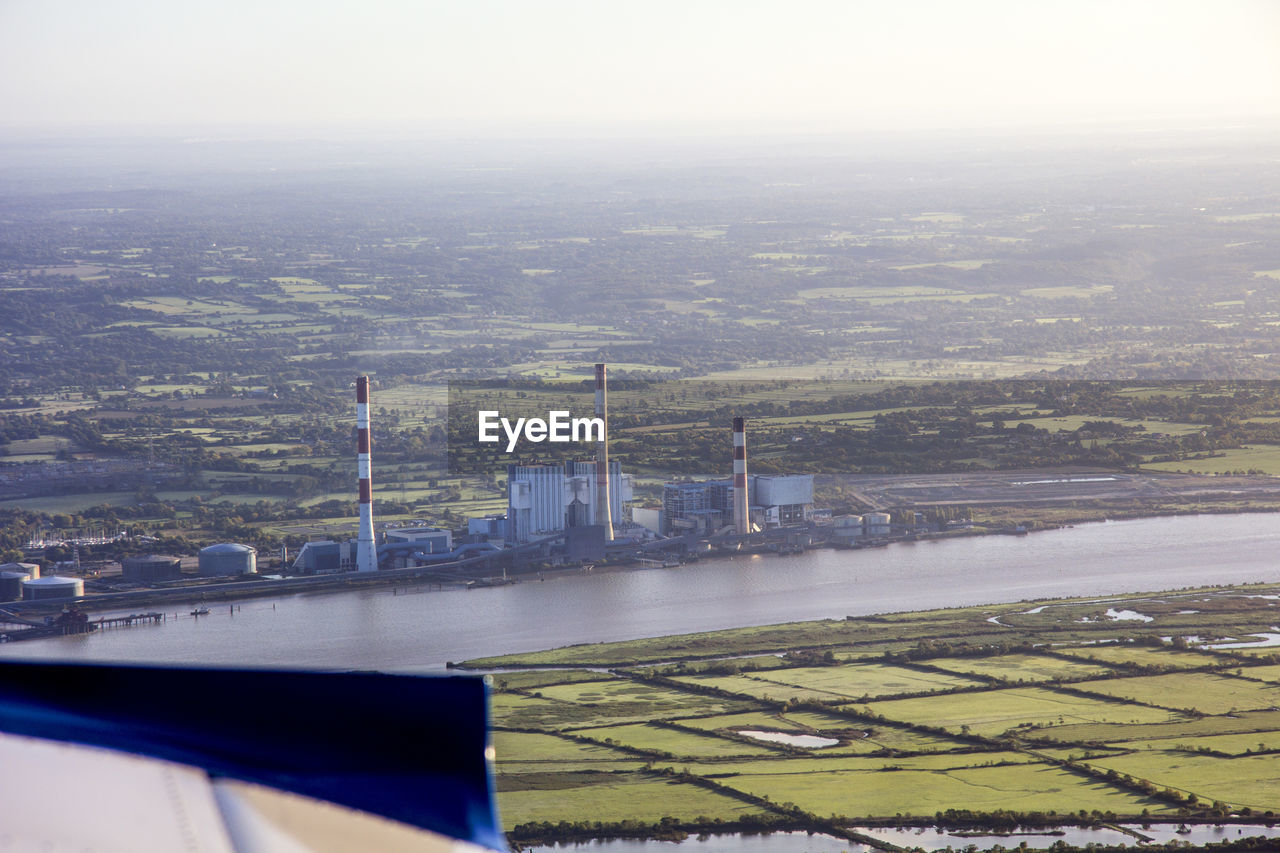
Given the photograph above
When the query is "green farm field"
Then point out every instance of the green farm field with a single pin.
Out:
(888, 717)
(1260, 457)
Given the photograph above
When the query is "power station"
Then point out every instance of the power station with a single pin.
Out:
(742, 505)
(583, 503)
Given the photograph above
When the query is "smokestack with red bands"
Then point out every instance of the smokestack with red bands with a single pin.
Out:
(366, 549)
(604, 512)
(741, 508)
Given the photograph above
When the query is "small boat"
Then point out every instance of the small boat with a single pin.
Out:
(200, 611)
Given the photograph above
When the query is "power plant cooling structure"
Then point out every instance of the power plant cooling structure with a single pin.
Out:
(741, 510)
(604, 512)
(366, 549)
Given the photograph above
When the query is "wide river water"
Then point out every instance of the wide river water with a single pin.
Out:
(417, 629)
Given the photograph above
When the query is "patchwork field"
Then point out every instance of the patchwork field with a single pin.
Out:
(996, 712)
(1025, 668)
(1129, 728)
(870, 680)
(608, 797)
(1203, 692)
(1024, 788)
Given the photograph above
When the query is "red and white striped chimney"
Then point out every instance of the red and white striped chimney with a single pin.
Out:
(604, 511)
(366, 548)
(741, 501)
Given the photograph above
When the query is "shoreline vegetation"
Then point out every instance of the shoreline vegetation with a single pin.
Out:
(1047, 713)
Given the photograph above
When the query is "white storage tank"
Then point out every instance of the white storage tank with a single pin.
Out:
(227, 559)
(877, 523)
(847, 525)
(11, 577)
(51, 587)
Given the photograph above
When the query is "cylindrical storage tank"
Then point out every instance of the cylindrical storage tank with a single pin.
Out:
(227, 558)
(849, 526)
(52, 587)
(31, 570)
(11, 577)
(877, 523)
(11, 585)
(152, 568)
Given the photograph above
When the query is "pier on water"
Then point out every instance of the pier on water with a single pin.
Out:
(131, 619)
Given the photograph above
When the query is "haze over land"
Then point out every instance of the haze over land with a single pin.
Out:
(213, 217)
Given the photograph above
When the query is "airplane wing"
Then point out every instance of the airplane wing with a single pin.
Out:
(135, 758)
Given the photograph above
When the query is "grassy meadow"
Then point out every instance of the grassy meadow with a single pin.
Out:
(1052, 718)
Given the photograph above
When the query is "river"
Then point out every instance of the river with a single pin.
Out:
(418, 630)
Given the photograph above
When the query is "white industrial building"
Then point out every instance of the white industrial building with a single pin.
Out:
(436, 538)
(648, 517)
(783, 498)
(542, 500)
(775, 500)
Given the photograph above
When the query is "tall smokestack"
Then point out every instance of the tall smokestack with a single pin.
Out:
(366, 550)
(741, 508)
(602, 456)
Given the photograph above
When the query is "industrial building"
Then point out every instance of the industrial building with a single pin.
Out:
(783, 498)
(693, 508)
(488, 528)
(648, 517)
(743, 504)
(413, 546)
(227, 559)
(544, 500)
(325, 558)
(432, 539)
(153, 568)
(774, 500)
(403, 546)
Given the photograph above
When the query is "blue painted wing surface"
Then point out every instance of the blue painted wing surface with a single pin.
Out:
(412, 749)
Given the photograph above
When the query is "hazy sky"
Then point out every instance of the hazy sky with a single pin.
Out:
(843, 64)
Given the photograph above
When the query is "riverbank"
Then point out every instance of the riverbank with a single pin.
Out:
(990, 521)
(1051, 516)
(414, 628)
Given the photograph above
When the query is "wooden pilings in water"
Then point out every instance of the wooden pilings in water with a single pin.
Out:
(131, 619)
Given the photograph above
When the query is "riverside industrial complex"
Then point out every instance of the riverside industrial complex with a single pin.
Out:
(575, 514)
(571, 515)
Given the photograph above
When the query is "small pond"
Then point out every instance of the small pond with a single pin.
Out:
(810, 741)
